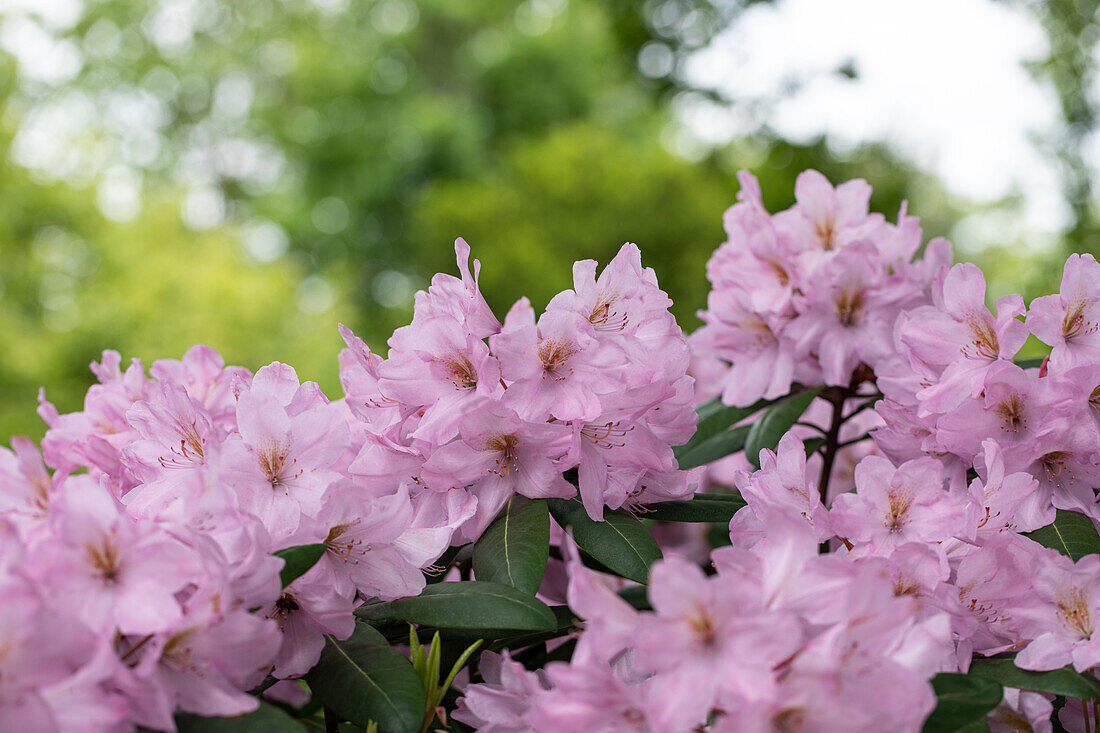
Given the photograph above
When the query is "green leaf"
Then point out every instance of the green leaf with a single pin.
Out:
(298, 560)
(565, 622)
(515, 548)
(467, 604)
(700, 508)
(960, 701)
(712, 439)
(363, 679)
(1030, 363)
(720, 446)
(266, 719)
(978, 726)
(455, 669)
(1071, 534)
(812, 445)
(621, 543)
(715, 418)
(773, 424)
(636, 596)
(1065, 681)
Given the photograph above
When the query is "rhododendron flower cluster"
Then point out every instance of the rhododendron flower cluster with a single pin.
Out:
(877, 549)
(809, 294)
(898, 530)
(467, 406)
(779, 636)
(138, 577)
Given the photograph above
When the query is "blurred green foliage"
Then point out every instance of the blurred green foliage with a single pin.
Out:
(580, 191)
(247, 173)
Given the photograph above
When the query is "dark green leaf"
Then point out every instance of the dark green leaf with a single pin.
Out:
(961, 700)
(620, 542)
(720, 446)
(1071, 534)
(1065, 681)
(298, 560)
(565, 622)
(773, 424)
(636, 596)
(711, 440)
(715, 418)
(515, 548)
(267, 719)
(700, 508)
(363, 679)
(468, 604)
(813, 445)
(317, 725)
(722, 493)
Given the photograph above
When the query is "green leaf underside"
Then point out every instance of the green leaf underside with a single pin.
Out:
(514, 549)
(1071, 534)
(700, 508)
(1065, 681)
(961, 700)
(266, 719)
(467, 604)
(773, 424)
(620, 542)
(298, 560)
(363, 679)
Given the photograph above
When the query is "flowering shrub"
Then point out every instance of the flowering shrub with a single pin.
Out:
(840, 505)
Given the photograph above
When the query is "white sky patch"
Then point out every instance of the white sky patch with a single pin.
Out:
(56, 13)
(942, 81)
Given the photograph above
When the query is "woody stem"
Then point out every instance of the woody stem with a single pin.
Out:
(832, 442)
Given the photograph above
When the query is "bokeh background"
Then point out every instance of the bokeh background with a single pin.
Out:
(248, 173)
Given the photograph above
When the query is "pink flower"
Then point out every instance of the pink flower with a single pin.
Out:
(202, 664)
(290, 437)
(619, 438)
(177, 430)
(555, 367)
(959, 340)
(435, 364)
(897, 505)
(701, 648)
(500, 704)
(304, 612)
(207, 380)
(452, 295)
(498, 455)
(782, 486)
(1060, 618)
(95, 435)
(592, 697)
(41, 648)
(827, 218)
(26, 487)
(125, 573)
(1000, 502)
(844, 321)
(372, 547)
(1070, 320)
(628, 310)
(763, 363)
